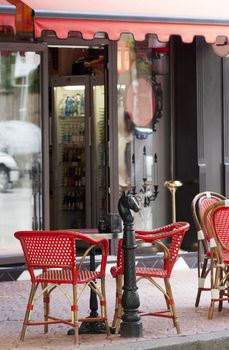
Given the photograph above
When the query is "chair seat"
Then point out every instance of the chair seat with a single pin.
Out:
(65, 276)
(141, 271)
(151, 272)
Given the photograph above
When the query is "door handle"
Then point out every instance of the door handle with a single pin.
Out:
(89, 131)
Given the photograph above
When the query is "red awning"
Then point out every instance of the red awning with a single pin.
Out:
(208, 18)
(7, 14)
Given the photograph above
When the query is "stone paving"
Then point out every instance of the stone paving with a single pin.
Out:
(193, 321)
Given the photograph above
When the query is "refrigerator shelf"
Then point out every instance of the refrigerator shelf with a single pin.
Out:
(72, 164)
(72, 145)
(71, 210)
(73, 117)
(74, 187)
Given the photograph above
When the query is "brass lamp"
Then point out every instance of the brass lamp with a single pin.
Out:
(173, 185)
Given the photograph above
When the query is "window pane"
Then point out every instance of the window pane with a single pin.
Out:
(143, 125)
(20, 147)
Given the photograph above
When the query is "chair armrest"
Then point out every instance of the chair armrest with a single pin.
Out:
(160, 244)
(161, 232)
(157, 230)
(85, 254)
(102, 243)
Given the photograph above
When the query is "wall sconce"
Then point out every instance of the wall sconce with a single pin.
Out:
(149, 189)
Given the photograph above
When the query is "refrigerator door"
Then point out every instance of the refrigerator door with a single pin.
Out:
(99, 151)
(71, 153)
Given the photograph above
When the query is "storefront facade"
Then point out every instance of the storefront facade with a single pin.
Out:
(96, 102)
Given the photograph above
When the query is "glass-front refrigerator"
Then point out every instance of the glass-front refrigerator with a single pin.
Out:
(78, 179)
(71, 193)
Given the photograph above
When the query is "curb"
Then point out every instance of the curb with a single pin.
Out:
(205, 341)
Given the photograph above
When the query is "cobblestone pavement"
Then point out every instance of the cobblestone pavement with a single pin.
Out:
(193, 321)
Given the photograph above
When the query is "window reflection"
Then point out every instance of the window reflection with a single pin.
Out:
(20, 146)
(142, 79)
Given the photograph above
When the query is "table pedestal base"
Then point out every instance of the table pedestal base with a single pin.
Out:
(90, 327)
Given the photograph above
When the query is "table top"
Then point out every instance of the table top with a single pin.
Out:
(94, 233)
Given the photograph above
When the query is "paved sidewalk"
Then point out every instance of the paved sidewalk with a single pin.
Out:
(159, 333)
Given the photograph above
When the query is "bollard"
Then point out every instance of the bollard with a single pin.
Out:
(131, 325)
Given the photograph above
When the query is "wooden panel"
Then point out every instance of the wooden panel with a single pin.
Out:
(209, 116)
(186, 166)
(226, 123)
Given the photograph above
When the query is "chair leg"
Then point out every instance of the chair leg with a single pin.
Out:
(75, 315)
(222, 292)
(211, 310)
(103, 305)
(118, 306)
(28, 310)
(203, 275)
(214, 288)
(46, 301)
(118, 302)
(171, 304)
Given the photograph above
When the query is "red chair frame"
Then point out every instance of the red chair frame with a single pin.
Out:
(176, 232)
(55, 253)
(216, 219)
(199, 204)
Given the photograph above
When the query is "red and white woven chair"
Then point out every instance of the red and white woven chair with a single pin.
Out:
(216, 220)
(176, 234)
(55, 253)
(199, 204)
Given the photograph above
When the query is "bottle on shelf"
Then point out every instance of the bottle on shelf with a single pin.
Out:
(78, 104)
(65, 133)
(74, 134)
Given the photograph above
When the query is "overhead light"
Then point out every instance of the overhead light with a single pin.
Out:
(74, 87)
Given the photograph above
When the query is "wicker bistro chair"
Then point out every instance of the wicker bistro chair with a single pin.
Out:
(176, 231)
(55, 253)
(199, 204)
(216, 219)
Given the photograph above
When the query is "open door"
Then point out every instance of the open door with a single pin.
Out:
(22, 142)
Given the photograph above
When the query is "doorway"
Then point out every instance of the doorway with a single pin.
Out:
(79, 134)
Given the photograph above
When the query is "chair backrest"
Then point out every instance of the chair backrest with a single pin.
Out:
(53, 249)
(219, 221)
(176, 231)
(177, 235)
(199, 204)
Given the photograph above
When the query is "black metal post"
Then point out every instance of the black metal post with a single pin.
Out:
(131, 325)
(92, 327)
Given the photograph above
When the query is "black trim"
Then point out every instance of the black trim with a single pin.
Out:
(14, 259)
(158, 100)
(7, 9)
(126, 17)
